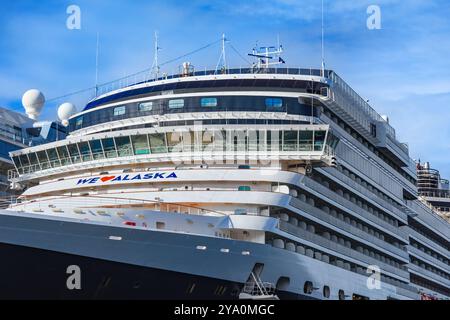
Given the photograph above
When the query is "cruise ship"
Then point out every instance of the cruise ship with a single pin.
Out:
(434, 190)
(248, 183)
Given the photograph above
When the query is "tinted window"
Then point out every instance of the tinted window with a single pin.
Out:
(123, 146)
(119, 111)
(97, 150)
(79, 122)
(209, 102)
(176, 104)
(146, 106)
(274, 103)
(109, 147)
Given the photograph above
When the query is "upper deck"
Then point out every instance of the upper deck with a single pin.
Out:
(312, 81)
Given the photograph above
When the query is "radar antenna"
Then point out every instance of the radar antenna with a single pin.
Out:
(267, 56)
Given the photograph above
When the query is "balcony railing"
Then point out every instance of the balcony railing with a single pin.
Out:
(146, 77)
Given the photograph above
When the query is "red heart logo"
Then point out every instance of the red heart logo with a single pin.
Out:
(106, 179)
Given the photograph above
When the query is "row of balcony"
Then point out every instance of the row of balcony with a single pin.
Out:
(353, 232)
(326, 242)
(356, 211)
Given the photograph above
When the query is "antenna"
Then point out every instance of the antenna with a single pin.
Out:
(96, 66)
(223, 56)
(323, 44)
(155, 66)
(267, 56)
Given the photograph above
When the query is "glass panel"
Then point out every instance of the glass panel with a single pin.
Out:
(53, 157)
(140, 145)
(146, 106)
(24, 160)
(305, 140)
(17, 163)
(43, 159)
(109, 147)
(124, 146)
(158, 142)
(85, 151)
(174, 141)
(97, 150)
(33, 159)
(290, 140)
(274, 103)
(209, 102)
(319, 139)
(74, 153)
(120, 111)
(64, 156)
(176, 104)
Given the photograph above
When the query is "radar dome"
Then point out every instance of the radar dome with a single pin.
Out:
(33, 100)
(65, 111)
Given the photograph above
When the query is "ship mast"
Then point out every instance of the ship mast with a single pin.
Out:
(267, 56)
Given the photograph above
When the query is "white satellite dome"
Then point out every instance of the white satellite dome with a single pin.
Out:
(65, 111)
(33, 101)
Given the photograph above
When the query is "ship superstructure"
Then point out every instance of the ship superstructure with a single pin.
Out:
(433, 189)
(239, 183)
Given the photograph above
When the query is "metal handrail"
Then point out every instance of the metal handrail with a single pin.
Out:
(144, 77)
(116, 201)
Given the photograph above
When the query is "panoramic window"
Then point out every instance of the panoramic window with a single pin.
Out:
(97, 150)
(43, 160)
(319, 140)
(53, 157)
(85, 151)
(176, 104)
(64, 155)
(74, 153)
(305, 140)
(274, 103)
(146, 106)
(209, 102)
(24, 160)
(123, 146)
(109, 147)
(158, 143)
(290, 140)
(140, 145)
(119, 111)
(33, 159)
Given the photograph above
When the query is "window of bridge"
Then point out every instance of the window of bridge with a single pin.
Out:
(140, 145)
(123, 145)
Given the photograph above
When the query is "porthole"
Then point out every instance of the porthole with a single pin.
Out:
(326, 292)
(308, 287)
(341, 295)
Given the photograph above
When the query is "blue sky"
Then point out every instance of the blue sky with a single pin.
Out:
(403, 68)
